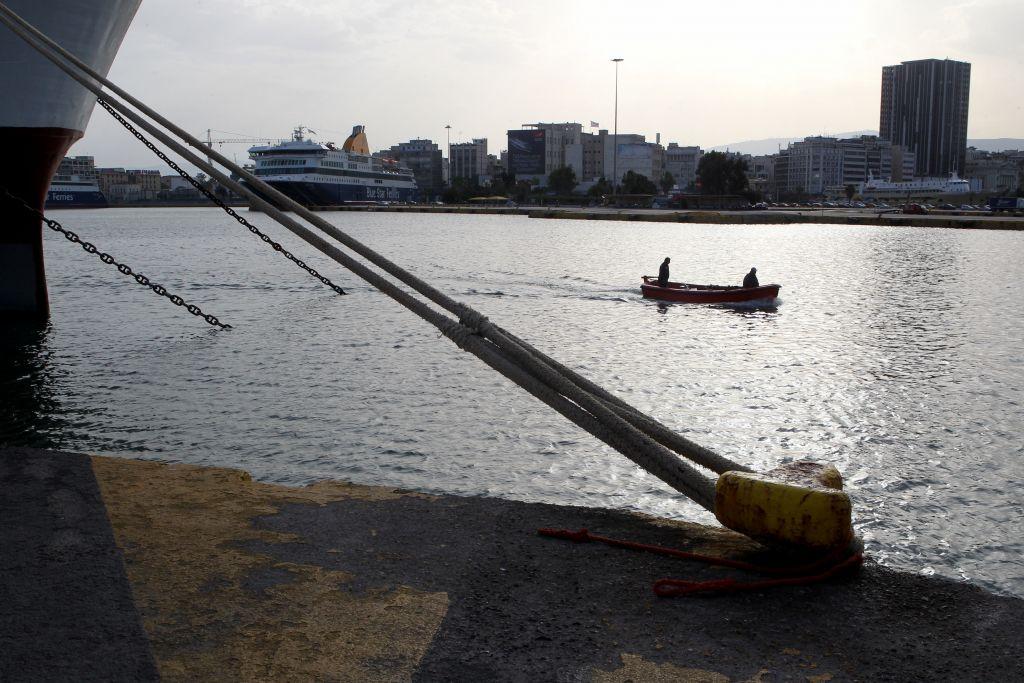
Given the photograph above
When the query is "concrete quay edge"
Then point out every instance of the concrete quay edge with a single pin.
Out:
(121, 569)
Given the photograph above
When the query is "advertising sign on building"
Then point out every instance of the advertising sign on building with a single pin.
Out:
(526, 152)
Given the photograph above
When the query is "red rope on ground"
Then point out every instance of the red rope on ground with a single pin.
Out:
(823, 569)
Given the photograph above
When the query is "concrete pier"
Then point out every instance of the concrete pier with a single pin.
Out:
(135, 570)
(968, 220)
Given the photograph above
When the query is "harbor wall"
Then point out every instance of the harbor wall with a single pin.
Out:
(133, 570)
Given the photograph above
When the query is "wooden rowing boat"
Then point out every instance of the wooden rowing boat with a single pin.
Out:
(684, 292)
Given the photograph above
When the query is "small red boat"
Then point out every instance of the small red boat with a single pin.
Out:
(708, 294)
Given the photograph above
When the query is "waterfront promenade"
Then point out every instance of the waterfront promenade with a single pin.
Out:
(980, 220)
(953, 219)
(118, 569)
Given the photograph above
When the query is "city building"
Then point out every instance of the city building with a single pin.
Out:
(537, 149)
(424, 159)
(824, 165)
(870, 156)
(761, 172)
(132, 185)
(558, 136)
(613, 158)
(924, 109)
(810, 166)
(177, 186)
(639, 157)
(148, 182)
(468, 160)
(682, 163)
(592, 153)
(995, 172)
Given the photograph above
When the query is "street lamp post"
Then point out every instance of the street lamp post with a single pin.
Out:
(615, 133)
(448, 134)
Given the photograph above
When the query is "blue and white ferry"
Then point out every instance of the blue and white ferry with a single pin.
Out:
(316, 174)
(74, 186)
(75, 193)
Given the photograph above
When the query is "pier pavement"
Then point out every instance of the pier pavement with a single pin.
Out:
(117, 569)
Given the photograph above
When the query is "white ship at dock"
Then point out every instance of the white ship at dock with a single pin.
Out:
(321, 175)
(918, 187)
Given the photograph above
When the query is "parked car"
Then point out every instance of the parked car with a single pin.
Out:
(914, 209)
(947, 207)
(761, 205)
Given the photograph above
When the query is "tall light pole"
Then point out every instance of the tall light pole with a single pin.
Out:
(448, 133)
(615, 134)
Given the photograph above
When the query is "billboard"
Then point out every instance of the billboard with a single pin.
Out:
(526, 152)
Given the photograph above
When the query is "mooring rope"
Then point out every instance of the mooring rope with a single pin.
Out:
(829, 564)
(645, 441)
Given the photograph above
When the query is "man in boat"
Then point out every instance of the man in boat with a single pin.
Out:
(663, 272)
(751, 279)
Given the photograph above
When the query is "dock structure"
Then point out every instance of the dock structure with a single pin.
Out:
(126, 569)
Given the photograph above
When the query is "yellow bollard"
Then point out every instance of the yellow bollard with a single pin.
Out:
(801, 503)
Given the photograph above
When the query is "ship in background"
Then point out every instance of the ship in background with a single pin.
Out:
(75, 186)
(321, 175)
(42, 114)
(884, 189)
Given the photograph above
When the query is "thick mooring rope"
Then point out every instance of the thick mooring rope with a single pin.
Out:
(831, 563)
(646, 442)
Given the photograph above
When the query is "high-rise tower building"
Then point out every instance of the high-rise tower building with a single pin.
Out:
(924, 109)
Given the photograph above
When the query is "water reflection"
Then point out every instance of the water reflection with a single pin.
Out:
(31, 410)
(744, 310)
(895, 358)
(764, 311)
(913, 323)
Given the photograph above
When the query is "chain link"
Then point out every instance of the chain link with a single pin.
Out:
(108, 259)
(216, 200)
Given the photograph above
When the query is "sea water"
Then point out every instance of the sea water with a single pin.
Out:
(896, 355)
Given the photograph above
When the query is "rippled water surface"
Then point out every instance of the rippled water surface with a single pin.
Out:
(896, 355)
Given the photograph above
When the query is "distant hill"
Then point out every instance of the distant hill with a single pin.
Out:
(996, 144)
(773, 145)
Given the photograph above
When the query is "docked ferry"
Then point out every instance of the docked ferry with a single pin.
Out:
(75, 186)
(74, 193)
(919, 186)
(319, 175)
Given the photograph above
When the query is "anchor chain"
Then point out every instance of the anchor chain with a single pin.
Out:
(216, 200)
(124, 268)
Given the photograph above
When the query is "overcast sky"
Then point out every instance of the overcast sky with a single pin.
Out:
(704, 73)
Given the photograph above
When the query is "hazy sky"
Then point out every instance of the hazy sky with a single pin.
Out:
(704, 73)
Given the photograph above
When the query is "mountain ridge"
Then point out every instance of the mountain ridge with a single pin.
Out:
(773, 145)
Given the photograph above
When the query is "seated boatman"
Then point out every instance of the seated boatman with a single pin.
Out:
(751, 279)
(663, 272)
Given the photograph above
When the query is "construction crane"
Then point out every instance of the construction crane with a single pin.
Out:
(241, 140)
(211, 141)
